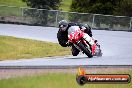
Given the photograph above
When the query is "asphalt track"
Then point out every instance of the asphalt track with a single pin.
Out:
(116, 47)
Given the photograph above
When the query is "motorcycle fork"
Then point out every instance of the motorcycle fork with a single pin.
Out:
(87, 45)
(76, 45)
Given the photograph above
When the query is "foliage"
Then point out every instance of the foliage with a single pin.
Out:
(124, 8)
(111, 7)
(43, 4)
(79, 5)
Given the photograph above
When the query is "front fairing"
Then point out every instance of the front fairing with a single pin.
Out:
(75, 34)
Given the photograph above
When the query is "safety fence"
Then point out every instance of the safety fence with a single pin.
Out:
(43, 17)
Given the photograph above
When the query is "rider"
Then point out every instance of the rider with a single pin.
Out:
(62, 35)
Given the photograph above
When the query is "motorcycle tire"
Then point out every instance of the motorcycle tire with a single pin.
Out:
(85, 50)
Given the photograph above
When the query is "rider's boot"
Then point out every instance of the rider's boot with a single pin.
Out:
(91, 42)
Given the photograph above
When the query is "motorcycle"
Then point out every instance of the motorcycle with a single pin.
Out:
(76, 38)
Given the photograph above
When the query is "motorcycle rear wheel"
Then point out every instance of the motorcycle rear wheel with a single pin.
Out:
(85, 50)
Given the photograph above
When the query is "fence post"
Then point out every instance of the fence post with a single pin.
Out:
(57, 12)
(130, 24)
(93, 21)
(22, 13)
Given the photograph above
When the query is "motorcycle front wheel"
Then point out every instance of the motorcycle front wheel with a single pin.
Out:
(85, 50)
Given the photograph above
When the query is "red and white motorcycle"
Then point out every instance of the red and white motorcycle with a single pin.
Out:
(76, 38)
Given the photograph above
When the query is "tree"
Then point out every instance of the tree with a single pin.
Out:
(107, 7)
(124, 8)
(94, 6)
(43, 4)
(80, 6)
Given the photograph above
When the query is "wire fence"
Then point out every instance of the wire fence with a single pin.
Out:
(43, 17)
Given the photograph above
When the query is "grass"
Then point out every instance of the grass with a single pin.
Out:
(65, 5)
(55, 80)
(11, 11)
(18, 3)
(16, 48)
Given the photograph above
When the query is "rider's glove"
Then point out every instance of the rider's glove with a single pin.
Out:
(68, 43)
(95, 41)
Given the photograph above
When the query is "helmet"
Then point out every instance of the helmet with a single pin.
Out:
(63, 24)
(87, 26)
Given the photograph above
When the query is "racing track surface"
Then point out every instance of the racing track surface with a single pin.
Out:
(116, 47)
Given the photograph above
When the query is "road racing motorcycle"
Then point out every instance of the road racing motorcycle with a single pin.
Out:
(76, 38)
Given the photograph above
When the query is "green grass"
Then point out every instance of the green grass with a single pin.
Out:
(11, 11)
(16, 48)
(65, 5)
(54, 80)
(18, 3)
